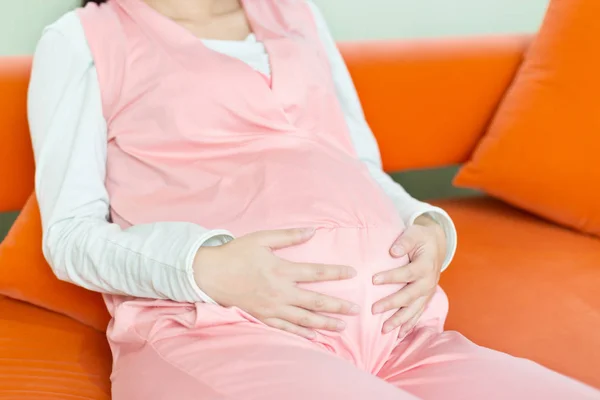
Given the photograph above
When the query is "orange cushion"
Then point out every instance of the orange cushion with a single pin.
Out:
(25, 275)
(525, 286)
(541, 152)
(44, 355)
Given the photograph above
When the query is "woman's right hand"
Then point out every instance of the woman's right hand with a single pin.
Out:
(245, 273)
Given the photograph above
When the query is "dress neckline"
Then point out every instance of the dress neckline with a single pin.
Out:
(181, 42)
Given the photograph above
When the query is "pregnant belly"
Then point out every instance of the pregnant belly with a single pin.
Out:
(285, 184)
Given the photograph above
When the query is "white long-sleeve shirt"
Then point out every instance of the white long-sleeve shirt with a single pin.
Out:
(69, 136)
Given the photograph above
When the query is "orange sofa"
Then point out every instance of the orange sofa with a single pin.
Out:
(518, 284)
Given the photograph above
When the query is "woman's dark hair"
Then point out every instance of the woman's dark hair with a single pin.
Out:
(85, 2)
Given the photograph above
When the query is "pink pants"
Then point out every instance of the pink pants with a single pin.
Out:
(166, 350)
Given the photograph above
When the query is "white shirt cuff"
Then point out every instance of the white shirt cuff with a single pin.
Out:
(211, 238)
(443, 219)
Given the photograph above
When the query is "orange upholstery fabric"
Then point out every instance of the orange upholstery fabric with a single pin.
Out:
(525, 286)
(541, 153)
(44, 355)
(429, 101)
(25, 275)
(16, 158)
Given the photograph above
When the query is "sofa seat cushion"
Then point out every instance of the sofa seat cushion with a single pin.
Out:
(44, 355)
(525, 286)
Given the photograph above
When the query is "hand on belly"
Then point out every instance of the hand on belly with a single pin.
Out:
(425, 244)
(246, 273)
(299, 281)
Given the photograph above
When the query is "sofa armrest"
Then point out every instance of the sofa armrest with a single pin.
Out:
(429, 101)
(16, 155)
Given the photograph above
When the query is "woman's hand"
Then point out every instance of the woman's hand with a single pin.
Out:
(425, 244)
(245, 273)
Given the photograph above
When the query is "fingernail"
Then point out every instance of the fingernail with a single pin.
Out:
(354, 309)
(387, 329)
(398, 250)
(378, 279)
(312, 335)
(308, 231)
(377, 309)
(341, 325)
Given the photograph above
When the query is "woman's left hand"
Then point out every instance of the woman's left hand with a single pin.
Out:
(425, 244)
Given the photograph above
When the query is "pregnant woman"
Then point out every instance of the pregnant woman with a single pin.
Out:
(206, 165)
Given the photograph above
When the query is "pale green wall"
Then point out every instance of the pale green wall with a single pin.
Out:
(358, 19)
(22, 20)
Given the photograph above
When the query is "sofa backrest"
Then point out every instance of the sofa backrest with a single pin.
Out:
(427, 101)
(430, 101)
